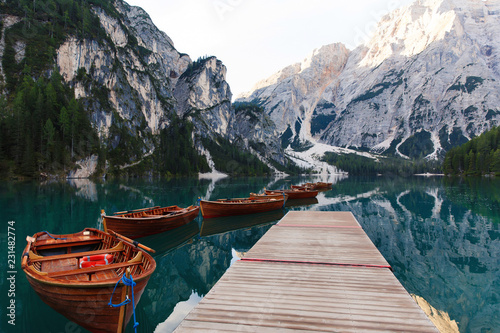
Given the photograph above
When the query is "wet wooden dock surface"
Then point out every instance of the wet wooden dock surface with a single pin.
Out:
(312, 272)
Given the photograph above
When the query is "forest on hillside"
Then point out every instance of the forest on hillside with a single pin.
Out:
(363, 166)
(479, 156)
(43, 128)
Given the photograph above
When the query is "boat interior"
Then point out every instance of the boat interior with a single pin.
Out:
(152, 212)
(60, 258)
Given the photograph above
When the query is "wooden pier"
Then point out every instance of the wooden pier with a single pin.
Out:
(312, 272)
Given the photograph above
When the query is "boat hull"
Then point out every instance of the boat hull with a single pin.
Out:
(136, 227)
(210, 209)
(88, 306)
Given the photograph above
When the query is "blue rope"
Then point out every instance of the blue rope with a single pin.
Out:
(52, 236)
(284, 199)
(126, 282)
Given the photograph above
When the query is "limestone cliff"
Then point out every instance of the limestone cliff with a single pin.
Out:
(137, 67)
(204, 96)
(132, 82)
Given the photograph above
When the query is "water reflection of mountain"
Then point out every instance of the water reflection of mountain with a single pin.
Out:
(194, 266)
(440, 250)
(86, 188)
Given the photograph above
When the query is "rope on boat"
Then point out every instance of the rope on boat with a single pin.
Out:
(53, 236)
(284, 199)
(127, 282)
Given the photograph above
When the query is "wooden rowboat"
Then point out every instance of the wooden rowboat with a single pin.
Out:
(296, 193)
(228, 207)
(149, 221)
(51, 265)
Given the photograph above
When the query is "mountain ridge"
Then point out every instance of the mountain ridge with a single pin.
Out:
(429, 73)
(426, 81)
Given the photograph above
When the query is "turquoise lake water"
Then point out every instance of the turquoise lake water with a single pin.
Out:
(441, 236)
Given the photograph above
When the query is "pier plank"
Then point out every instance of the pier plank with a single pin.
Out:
(321, 245)
(313, 218)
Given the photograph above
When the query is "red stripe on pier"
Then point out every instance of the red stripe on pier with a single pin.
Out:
(315, 263)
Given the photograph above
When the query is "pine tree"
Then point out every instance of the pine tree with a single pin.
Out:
(64, 122)
(49, 132)
(471, 165)
(495, 165)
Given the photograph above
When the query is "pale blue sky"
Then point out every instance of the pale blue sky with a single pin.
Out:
(256, 38)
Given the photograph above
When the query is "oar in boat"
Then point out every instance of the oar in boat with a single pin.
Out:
(121, 317)
(30, 241)
(135, 243)
(103, 220)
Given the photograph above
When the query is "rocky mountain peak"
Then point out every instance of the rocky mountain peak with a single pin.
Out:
(291, 95)
(408, 31)
(328, 56)
(204, 96)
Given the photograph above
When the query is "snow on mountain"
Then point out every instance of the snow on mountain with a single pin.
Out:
(311, 158)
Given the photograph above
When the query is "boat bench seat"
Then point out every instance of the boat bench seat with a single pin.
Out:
(36, 258)
(95, 269)
(58, 243)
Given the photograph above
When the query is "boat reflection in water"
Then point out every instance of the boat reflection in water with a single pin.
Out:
(171, 239)
(220, 225)
(301, 202)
